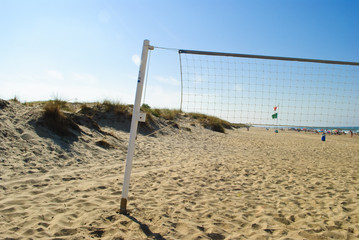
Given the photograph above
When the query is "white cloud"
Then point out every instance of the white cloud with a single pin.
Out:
(136, 59)
(168, 80)
(55, 75)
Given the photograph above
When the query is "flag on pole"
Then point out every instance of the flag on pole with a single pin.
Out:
(275, 108)
(275, 116)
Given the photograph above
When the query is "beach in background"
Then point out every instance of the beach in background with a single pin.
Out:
(187, 182)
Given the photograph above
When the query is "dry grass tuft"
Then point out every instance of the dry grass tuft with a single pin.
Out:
(116, 107)
(63, 105)
(56, 120)
(86, 110)
(210, 122)
(170, 114)
(15, 99)
(167, 114)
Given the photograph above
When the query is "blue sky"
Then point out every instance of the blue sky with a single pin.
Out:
(86, 50)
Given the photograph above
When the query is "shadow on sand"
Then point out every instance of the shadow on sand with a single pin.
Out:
(145, 229)
(65, 142)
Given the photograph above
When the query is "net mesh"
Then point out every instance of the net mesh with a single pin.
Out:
(247, 90)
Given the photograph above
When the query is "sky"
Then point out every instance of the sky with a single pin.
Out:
(89, 50)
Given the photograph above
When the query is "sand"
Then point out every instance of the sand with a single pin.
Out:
(196, 184)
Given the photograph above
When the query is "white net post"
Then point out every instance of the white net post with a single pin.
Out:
(134, 124)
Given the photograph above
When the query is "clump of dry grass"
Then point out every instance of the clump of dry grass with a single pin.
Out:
(55, 119)
(170, 114)
(239, 125)
(210, 122)
(63, 105)
(116, 107)
(84, 107)
(15, 99)
(167, 114)
(86, 110)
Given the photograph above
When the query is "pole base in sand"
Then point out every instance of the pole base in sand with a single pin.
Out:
(123, 205)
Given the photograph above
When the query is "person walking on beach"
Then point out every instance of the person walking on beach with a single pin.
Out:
(351, 133)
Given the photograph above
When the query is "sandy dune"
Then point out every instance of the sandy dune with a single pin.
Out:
(196, 184)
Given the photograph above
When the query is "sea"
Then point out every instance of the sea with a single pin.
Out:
(339, 128)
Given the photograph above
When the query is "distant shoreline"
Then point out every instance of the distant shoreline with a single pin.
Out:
(310, 128)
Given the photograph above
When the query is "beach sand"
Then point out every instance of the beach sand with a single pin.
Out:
(195, 184)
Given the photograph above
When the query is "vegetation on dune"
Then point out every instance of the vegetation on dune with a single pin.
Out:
(84, 107)
(62, 104)
(170, 114)
(55, 119)
(15, 99)
(239, 125)
(167, 114)
(116, 107)
(210, 122)
(61, 123)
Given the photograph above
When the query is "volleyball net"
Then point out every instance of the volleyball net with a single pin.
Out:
(265, 90)
(257, 90)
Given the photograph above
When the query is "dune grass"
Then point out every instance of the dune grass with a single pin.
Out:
(167, 114)
(15, 99)
(116, 107)
(56, 119)
(211, 122)
(61, 104)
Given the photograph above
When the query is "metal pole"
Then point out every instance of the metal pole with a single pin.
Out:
(267, 57)
(180, 60)
(134, 125)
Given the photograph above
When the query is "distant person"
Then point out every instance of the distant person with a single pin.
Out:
(351, 133)
(247, 128)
